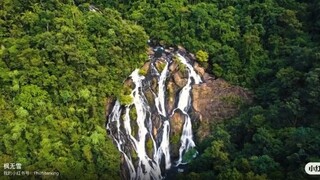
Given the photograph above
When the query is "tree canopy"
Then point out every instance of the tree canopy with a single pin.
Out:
(58, 64)
(60, 59)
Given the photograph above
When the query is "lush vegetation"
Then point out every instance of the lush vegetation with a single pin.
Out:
(58, 64)
(59, 61)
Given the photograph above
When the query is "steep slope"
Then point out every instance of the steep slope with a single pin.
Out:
(171, 93)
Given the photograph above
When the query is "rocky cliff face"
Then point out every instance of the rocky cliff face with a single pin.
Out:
(211, 100)
(216, 100)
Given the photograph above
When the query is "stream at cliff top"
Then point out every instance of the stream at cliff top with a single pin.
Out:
(141, 130)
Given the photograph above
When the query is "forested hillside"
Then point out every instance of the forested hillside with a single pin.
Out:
(59, 61)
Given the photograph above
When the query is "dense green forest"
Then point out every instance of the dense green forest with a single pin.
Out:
(59, 62)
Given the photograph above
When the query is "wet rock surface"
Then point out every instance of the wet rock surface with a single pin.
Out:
(212, 100)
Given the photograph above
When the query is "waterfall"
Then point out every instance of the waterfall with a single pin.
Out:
(134, 143)
(184, 105)
(160, 104)
(115, 117)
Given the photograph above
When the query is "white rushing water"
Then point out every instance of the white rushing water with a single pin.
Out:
(147, 167)
(162, 89)
(119, 125)
(184, 105)
(163, 149)
(115, 117)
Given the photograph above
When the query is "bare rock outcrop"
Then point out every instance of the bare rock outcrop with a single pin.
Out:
(216, 100)
(177, 121)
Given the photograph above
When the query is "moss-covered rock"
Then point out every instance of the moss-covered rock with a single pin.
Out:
(177, 121)
(133, 113)
(149, 147)
(144, 70)
(133, 121)
(160, 64)
(174, 145)
(182, 68)
(150, 97)
(171, 92)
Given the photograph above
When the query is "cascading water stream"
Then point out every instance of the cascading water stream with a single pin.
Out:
(161, 90)
(115, 117)
(144, 165)
(160, 103)
(184, 105)
(192, 72)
